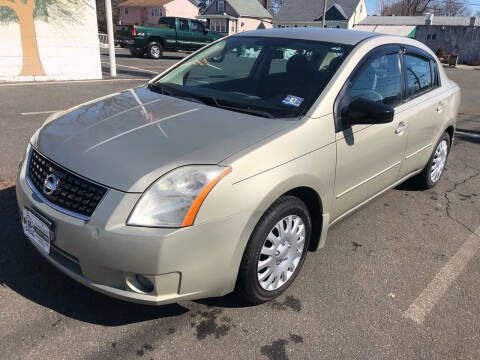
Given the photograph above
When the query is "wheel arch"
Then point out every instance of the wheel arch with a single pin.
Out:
(315, 207)
(307, 188)
(451, 132)
(156, 39)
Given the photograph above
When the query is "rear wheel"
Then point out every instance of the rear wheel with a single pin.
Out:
(431, 174)
(155, 50)
(276, 251)
(136, 52)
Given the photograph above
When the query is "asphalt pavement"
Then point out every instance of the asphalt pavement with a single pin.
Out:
(398, 279)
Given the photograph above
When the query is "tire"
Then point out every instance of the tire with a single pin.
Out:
(155, 50)
(136, 53)
(427, 179)
(284, 256)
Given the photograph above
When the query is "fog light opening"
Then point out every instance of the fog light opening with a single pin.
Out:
(140, 284)
(147, 285)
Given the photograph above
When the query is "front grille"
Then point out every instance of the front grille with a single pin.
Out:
(73, 193)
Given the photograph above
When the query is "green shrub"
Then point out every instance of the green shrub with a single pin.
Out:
(440, 53)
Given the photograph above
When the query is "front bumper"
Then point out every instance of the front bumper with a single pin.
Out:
(106, 255)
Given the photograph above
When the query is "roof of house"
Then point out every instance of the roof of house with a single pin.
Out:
(415, 20)
(248, 8)
(143, 3)
(312, 10)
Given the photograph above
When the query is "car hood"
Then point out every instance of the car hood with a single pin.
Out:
(129, 139)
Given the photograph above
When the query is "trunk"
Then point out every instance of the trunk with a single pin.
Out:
(31, 59)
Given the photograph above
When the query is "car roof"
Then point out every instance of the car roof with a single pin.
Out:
(339, 36)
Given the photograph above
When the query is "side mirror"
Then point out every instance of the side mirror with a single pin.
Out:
(366, 112)
(207, 30)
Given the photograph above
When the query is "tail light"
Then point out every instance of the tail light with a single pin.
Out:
(134, 31)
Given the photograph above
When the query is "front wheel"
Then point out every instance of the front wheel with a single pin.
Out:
(431, 174)
(155, 50)
(275, 252)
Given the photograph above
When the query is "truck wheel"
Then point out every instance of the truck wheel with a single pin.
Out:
(136, 52)
(155, 50)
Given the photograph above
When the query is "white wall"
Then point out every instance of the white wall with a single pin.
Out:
(359, 14)
(68, 51)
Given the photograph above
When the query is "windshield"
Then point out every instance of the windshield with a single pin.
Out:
(263, 76)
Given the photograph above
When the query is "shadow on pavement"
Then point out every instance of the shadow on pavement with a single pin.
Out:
(468, 131)
(133, 73)
(408, 185)
(227, 301)
(164, 57)
(26, 272)
(468, 138)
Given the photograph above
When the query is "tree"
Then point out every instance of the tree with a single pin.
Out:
(420, 7)
(450, 8)
(405, 7)
(202, 5)
(275, 5)
(24, 12)
(101, 18)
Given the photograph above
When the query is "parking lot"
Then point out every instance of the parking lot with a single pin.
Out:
(398, 279)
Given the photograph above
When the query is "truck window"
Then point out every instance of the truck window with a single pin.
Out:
(197, 26)
(184, 24)
(166, 23)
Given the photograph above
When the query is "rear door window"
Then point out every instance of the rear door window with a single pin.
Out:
(420, 75)
(197, 26)
(184, 25)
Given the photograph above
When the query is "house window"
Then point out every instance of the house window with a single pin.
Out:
(220, 6)
(156, 12)
(429, 36)
(126, 11)
(434, 37)
(218, 25)
(234, 26)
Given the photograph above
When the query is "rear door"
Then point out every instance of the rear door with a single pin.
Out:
(184, 35)
(425, 105)
(369, 156)
(167, 30)
(200, 37)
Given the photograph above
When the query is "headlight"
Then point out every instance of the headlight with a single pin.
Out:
(175, 198)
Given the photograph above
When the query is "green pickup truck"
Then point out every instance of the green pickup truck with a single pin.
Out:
(170, 34)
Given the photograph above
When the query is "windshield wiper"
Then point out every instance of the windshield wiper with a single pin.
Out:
(163, 89)
(209, 100)
(166, 91)
(245, 110)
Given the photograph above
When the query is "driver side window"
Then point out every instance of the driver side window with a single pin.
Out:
(379, 79)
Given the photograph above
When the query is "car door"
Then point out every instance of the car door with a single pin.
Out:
(200, 36)
(369, 156)
(184, 35)
(425, 106)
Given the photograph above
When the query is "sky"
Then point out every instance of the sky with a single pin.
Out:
(372, 6)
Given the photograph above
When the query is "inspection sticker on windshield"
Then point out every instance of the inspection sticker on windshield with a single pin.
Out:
(292, 101)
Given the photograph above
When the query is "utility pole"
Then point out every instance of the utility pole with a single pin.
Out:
(111, 40)
(324, 12)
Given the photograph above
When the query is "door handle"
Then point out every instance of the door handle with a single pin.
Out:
(441, 106)
(401, 128)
